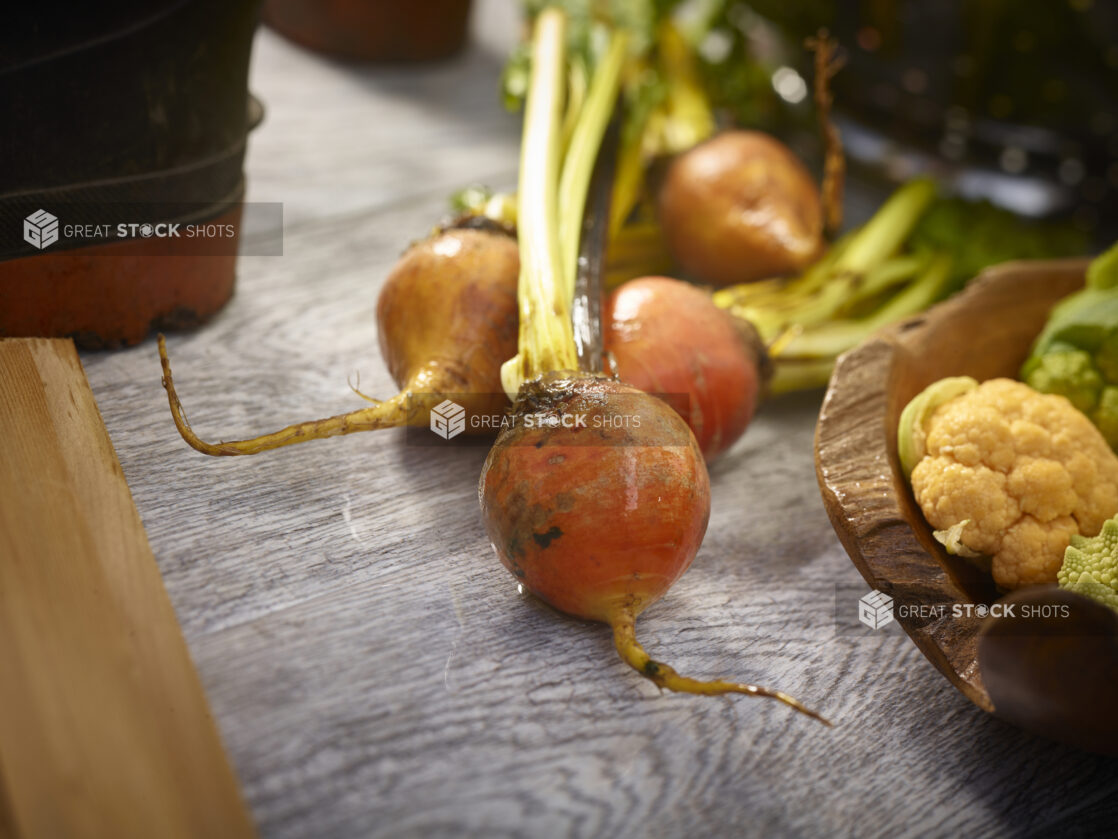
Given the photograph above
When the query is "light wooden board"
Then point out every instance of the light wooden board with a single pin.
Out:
(372, 667)
(104, 729)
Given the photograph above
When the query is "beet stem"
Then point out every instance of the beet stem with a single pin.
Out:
(546, 340)
(660, 674)
(583, 158)
(391, 413)
(586, 309)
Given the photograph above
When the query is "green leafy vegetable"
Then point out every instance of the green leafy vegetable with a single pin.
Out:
(1076, 354)
(979, 234)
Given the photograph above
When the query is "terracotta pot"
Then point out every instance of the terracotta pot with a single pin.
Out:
(135, 111)
(373, 30)
(114, 295)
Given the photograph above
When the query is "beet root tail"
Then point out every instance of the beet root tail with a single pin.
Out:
(660, 674)
(391, 413)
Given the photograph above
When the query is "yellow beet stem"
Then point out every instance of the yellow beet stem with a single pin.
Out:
(660, 674)
(576, 95)
(687, 115)
(392, 413)
(546, 339)
(574, 182)
(638, 250)
(882, 236)
(627, 182)
(783, 294)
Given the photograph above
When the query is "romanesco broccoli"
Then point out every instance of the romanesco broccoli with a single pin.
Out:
(1091, 565)
(1070, 373)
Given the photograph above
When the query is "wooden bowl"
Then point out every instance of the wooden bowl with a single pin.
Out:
(1057, 678)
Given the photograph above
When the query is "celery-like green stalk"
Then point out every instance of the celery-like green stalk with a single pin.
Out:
(806, 360)
(782, 293)
(832, 339)
(916, 296)
(883, 234)
(830, 300)
(546, 340)
(586, 139)
(800, 374)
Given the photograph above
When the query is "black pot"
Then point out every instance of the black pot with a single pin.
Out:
(117, 111)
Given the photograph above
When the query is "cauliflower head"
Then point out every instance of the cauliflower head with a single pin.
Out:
(1091, 565)
(1027, 469)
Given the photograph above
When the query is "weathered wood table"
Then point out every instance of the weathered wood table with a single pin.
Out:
(373, 669)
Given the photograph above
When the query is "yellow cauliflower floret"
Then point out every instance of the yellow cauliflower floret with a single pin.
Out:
(1027, 469)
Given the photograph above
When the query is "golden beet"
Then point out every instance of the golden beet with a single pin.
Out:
(595, 496)
(446, 318)
(740, 207)
(667, 337)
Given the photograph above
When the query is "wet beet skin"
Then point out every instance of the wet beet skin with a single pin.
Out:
(603, 515)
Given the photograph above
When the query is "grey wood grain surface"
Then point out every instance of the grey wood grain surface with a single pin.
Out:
(374, 670)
